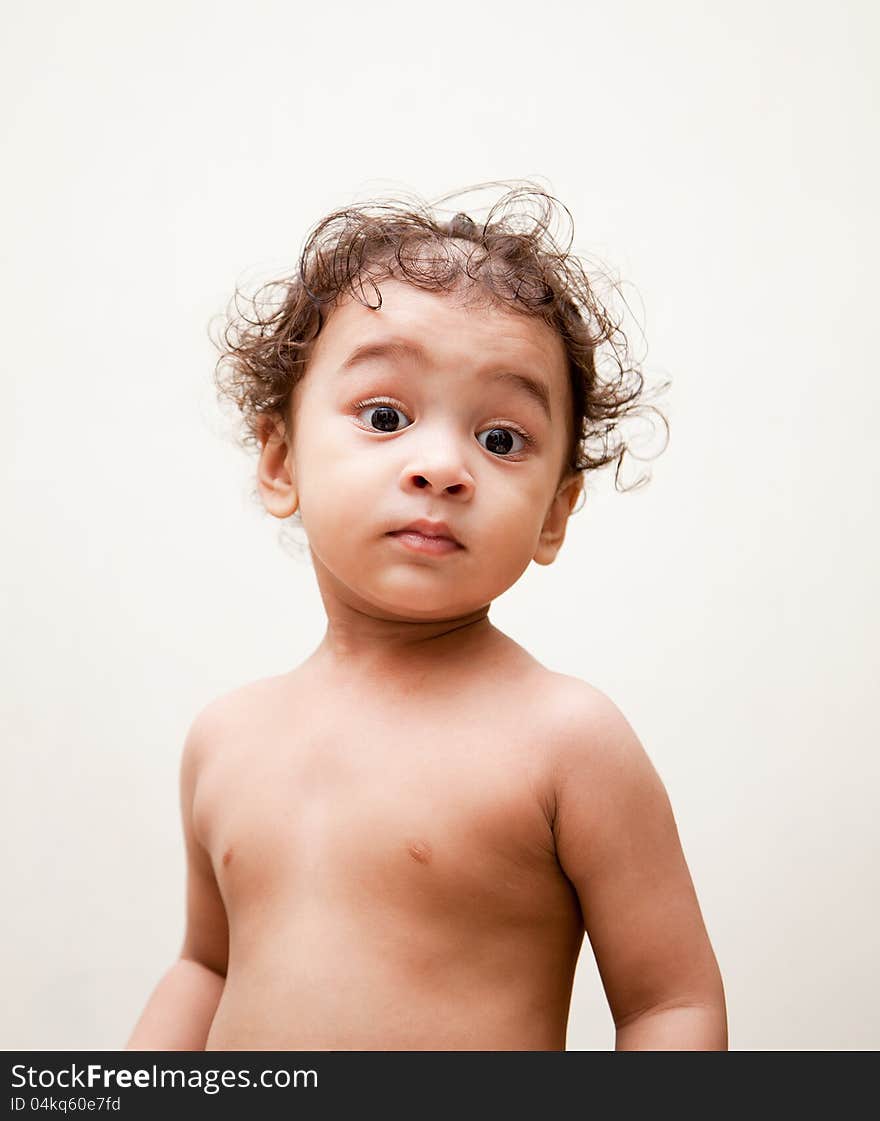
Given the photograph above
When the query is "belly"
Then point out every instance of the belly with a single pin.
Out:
(349, 981)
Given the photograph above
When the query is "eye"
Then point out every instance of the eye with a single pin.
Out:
(500, 441)
(381, 415)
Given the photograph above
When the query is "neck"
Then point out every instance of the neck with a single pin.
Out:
(365, 643)
(360, 644)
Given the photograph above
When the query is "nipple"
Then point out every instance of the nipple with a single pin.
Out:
(420, 851)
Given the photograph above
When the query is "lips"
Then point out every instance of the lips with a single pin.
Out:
(429, 529)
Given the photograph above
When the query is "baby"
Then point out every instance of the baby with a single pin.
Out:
(399, 844)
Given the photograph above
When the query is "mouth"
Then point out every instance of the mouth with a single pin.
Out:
(423, 536)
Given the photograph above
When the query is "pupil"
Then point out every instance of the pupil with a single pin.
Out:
(499, 440)
(384, 418)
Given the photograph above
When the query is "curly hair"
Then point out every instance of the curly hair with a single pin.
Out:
(512, 258)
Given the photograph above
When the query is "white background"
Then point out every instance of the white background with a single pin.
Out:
(721, 158)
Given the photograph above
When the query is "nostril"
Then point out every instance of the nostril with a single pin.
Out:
(421, 481)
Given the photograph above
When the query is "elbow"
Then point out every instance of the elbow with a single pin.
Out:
(695, 1021)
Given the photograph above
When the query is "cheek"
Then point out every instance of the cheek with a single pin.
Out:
(523, 501)
(323, 454)
(334, 485)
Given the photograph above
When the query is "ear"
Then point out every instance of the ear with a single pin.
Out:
(275, 478)
(553, 530)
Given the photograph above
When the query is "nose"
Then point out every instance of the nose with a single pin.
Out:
(441, 469)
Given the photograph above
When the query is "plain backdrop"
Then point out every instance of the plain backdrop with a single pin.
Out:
(721, 158)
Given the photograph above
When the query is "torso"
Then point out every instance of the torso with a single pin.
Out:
(388, 869)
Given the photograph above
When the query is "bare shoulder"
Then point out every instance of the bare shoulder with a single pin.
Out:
(584, 724)
(224, 719)
(594, 756)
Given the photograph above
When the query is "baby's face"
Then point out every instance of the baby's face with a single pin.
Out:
(382, 439)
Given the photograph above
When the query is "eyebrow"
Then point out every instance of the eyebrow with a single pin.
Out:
(398, 350)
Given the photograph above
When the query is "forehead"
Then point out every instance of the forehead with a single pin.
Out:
(456, 331)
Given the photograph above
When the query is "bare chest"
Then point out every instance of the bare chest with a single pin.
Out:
(405, 814)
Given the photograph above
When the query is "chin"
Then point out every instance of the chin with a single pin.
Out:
(422, 606)
(420, 612)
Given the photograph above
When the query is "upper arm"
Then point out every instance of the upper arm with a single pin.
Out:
(206, 938)
(618, 843)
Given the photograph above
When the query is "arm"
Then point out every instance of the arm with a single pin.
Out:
(179, 1012)
(617, 841)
